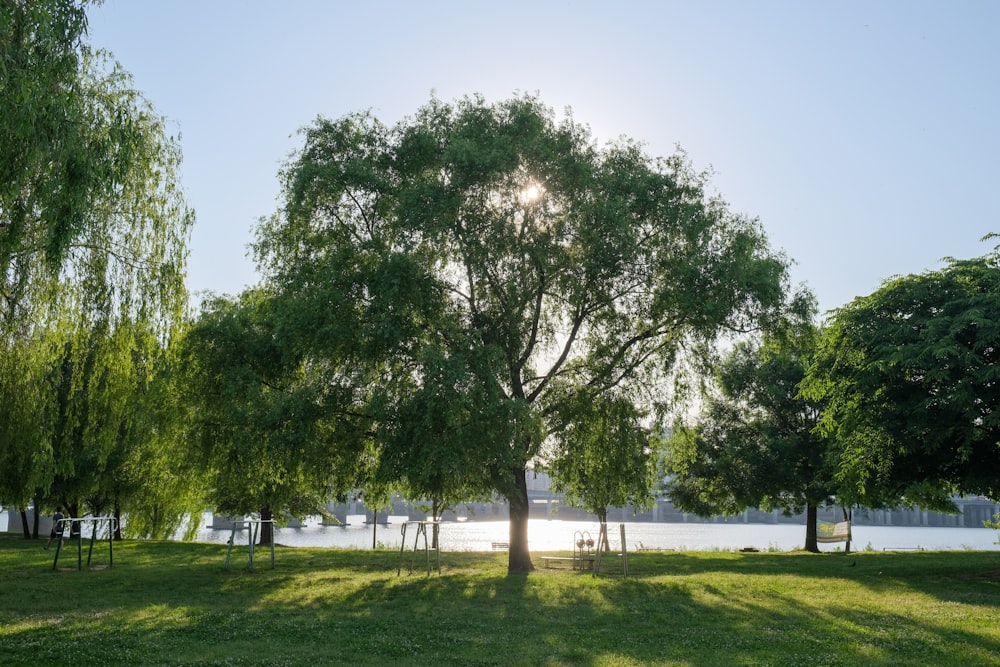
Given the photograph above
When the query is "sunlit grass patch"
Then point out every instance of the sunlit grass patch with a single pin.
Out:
(168, 603)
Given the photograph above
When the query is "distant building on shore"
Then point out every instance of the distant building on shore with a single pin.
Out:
(545, 504)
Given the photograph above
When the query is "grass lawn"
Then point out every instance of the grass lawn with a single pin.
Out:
(174, 604)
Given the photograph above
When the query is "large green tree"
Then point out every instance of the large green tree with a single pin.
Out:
(754, 443)
(93, 244)
(910, 376)
(521, 250)
(269, 429)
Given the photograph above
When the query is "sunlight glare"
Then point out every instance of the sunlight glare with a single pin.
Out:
(531, 193)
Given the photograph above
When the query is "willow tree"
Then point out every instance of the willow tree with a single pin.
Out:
(55, 160)
(601, 455)
(269, 429)
(511, 242)
(93, 245)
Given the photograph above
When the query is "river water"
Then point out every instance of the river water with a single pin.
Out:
(559, 535)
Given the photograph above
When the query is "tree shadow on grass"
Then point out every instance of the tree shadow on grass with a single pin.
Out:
(174, 604)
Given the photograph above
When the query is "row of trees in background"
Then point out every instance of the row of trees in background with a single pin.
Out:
(444, 303)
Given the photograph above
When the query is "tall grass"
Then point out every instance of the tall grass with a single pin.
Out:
(166, 603)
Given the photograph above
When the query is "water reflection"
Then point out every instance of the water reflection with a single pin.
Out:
(557, 535)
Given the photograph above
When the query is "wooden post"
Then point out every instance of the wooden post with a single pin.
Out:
(621, 528)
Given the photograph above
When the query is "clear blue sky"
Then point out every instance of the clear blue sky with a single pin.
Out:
(863, 135)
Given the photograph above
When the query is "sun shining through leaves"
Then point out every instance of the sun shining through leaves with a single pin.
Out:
(531, 193)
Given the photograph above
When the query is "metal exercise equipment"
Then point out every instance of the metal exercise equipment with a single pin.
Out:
(75, 527)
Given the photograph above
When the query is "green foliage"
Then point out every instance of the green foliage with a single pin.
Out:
(88, 192)
(93, 244)
(755, 442)
(474, 254)
(24, 462)
(149, 478)
(273, 432)
(909, 374)
(601, 455)
(48, 168)
(427, 429)
(87, 419)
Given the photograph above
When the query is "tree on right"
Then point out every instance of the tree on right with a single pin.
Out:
(909, 378)
(754, 442)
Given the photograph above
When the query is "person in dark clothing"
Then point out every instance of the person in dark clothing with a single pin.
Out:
(57, 526)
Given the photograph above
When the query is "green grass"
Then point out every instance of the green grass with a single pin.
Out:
(173, 604)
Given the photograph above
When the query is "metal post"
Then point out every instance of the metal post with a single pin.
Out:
(251, 538)
(272, 544)
(232, 540)
(93, 536)
(422, 528)
(621, 528)
(402, 546)
(79, 546)
(437, 543)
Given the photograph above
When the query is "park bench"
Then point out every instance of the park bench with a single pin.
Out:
(580, 562)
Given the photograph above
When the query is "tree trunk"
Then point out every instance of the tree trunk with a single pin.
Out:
(602, 518)
(38, 514)
(118, 521)
(811, 544)
(24, 523)
(266, 537)
(519, 557)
